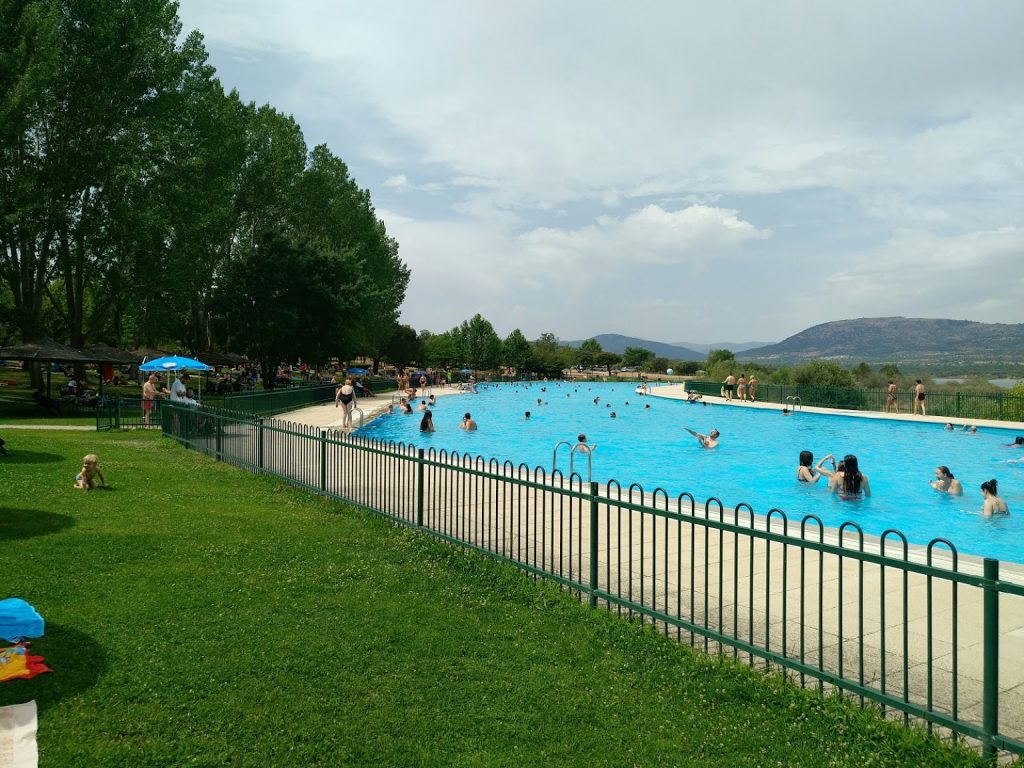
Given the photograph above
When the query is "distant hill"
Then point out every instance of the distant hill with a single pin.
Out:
(614, 342)
(898, 339)
(732, 346)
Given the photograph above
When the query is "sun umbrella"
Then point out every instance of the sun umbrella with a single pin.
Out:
(357, 371)
(466, 370)
(419, 373)
(174, 363)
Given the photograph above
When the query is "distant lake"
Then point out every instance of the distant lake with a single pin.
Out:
(1004, 383)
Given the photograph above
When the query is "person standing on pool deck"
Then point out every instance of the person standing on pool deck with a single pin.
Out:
(919, 398)
(346, 397)
(944, 482)
(752, 387)
(891, 403)
(730, 382)
(993, 504)
(741, 387)
(706, 441)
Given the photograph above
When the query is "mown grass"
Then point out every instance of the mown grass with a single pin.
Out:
(201, 616)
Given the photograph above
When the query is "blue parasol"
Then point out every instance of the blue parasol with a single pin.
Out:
(466, 370)
(357, 371)
(174, 363)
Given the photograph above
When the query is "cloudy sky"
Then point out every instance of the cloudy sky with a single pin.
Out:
(676, 171)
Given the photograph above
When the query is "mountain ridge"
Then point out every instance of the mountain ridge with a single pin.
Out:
(874, 340)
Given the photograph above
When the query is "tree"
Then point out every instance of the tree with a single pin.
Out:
(478, 345)
(551, 359)
(588, 352)
(890, 371)
(608, 360)
(636, 357)
(281, 301)
(718, 356)
(440, 349)
(516, 351)
(658, 365)
(403, 347)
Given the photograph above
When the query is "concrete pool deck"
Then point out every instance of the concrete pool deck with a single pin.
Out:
(860, 612)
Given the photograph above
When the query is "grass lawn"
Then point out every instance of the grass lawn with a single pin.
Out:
(198, 615)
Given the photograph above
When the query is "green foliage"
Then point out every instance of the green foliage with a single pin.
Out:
(441, 349)
(478, 345)
(718, 356)
(283, 301)
(130, 183)
(637, 357)
(404, 347)
(890, 371)
(551, 358)
(517, 352)
(658, 365)
(588, 353)
(608, 360)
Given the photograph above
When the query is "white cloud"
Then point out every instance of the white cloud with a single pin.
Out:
(879, 148)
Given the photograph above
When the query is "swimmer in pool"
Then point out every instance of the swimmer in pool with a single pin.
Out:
(804, 472)
(944, 482)
(848, 481)
(993, 504)
(706, 441)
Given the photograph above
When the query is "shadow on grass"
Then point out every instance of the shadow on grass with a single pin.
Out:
(77, 661)
(14, 456)
(27, 523)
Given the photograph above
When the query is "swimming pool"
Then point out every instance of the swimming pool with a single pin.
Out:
(755, 463)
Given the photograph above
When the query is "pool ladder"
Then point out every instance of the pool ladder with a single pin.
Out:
(794, 401)
(574, 448)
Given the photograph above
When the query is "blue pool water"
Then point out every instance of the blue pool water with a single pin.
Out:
(755, 463)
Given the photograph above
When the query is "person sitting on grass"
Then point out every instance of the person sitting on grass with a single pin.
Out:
(86, 478)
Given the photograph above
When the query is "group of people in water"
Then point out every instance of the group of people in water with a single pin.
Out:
(846, 480)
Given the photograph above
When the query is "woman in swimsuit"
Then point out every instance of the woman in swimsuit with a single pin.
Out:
(346, 397)
(741, 387)
(993, 504)
(848, 481)
(427, 422)
(805, 474)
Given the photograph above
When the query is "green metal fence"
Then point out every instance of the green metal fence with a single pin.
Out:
(1001, 406)
(912, 629)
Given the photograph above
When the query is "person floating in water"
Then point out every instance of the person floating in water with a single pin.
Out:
(706, 441)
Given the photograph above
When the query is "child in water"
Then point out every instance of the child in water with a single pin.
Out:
(86, 478)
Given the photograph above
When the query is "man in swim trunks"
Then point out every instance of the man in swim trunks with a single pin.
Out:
(919, 398)
(891, 405)
(730, 382)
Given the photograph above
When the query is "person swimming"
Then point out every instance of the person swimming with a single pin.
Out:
(944, 482)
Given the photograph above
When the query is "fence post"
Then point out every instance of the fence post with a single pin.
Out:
(323, 460)
(593, 544)
(218, 426)
(958, 403)
(117, 413)
(990, 676)
(259, 442)
(419, 487)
